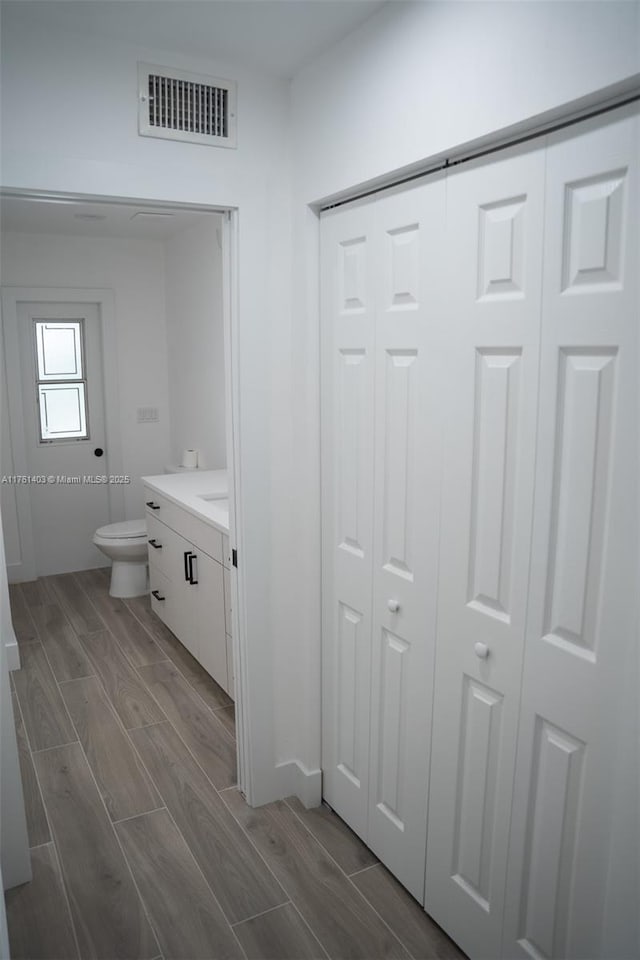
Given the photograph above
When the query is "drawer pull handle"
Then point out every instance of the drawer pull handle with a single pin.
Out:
(156, 594)
(155, 544)
(192, 557)
(187, 554)
(152, 505)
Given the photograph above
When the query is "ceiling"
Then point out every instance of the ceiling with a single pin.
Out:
(275, 36)
(24, 215)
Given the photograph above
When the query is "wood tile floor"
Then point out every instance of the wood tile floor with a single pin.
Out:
(141, 845)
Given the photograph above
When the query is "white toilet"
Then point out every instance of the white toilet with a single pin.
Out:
(126, 545)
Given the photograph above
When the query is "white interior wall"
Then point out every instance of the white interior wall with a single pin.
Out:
(134, 270)
(83, 92)
(414, 81)
(195, 341)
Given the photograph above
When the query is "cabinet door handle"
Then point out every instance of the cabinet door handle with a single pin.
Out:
(192, 557)
(156, 594)
(155, 544)
(187, 554)
(152, 505)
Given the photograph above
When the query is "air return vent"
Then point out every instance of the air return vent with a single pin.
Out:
(176, 105)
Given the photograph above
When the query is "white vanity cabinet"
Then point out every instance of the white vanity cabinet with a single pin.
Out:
(189, 584)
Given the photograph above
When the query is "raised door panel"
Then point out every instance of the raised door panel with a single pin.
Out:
(577, 746)
(348, 338)
(488, 405)
(409, 227)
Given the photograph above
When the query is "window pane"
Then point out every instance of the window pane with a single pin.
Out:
(59, 349)
(62, 411)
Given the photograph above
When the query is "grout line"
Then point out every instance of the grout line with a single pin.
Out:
(307, 925)
(348, 878)
(357, 873)
(262, 913)
(88, 676)
(144, 813)
(57, 746)
(154, 723)
(39, 846)
(63, 883)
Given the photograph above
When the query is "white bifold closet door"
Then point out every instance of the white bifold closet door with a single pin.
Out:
(494, 243)
(381, 267)
(578, 734)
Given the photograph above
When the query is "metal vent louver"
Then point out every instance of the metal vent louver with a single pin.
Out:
(175, 105)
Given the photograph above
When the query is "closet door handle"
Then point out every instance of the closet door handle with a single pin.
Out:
(156, 594)
(481, 650)
(152, 505)
(155, 544)
(187, 554)
(192, 557)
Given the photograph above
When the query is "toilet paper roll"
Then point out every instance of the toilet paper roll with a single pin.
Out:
(190, 459)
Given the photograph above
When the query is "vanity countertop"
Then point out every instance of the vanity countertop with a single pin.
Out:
(203, 493)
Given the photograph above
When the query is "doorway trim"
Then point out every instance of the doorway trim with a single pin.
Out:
(104, 300)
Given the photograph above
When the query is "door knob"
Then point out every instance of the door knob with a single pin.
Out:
(98, 451)
(393, 606)
(481, 650)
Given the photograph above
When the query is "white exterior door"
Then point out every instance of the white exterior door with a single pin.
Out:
(581, 633)
(56, 362)
(381, 269)
(492, 340)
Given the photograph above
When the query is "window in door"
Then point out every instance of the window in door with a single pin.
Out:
(60, 380)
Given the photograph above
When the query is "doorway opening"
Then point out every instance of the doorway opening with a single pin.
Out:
(148, 288)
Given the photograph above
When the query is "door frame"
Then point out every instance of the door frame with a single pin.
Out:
(104, 300)
(231, 324)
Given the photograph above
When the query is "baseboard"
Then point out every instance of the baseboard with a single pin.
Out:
(13, 655)
(296, 780)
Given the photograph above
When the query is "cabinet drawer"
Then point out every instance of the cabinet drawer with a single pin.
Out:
(160, 508)
(162, 599)
(158, 537)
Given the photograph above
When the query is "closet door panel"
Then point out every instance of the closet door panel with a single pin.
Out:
(580, 635)
(348, 339)
(409, 227)
(490, 354)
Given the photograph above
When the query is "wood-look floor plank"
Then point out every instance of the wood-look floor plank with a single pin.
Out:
(203, 733)
(74, 602)
(188, 921)
(210, 691)
(37, 826)
(123, 782)
(345, 847)
(422, 937)
(64, 651)
(23, 625)
(128, 695)
(35, 593)
(344, 923)
(227, 717)
(136, 642)
(280, 934)
(108, 916)
(45, 718)
(37, 913)
(234, 870)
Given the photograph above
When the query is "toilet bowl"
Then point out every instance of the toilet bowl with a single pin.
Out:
(126, 545)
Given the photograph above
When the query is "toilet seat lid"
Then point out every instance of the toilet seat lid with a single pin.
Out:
(126, 530)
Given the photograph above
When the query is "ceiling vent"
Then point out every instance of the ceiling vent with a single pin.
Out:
(176, 105)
